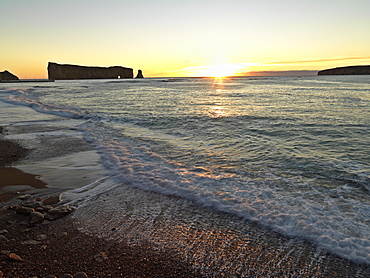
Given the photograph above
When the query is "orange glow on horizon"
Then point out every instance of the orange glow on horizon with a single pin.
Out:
(221, 70)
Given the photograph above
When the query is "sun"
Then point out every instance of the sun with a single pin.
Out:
(219, 71)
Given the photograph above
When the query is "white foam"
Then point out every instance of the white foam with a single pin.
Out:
(337, 225)
(21, 97)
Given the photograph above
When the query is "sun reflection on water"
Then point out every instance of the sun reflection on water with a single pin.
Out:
(218, 111)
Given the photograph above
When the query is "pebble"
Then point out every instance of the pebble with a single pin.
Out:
(36, 217)
(42, 236)
(33, 204)
(48, 207)
(60, 211)
(31, 242)
(24, 197)
(24, 210)
(15, 257)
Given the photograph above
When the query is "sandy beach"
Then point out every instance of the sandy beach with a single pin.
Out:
(57, 247)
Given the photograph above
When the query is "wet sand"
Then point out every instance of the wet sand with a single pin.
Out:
(58, 247)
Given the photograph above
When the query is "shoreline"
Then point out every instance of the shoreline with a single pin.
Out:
(58, 247)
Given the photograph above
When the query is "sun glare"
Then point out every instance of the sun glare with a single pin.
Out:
(219, 71)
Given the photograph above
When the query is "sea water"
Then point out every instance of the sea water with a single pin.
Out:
(288, 154)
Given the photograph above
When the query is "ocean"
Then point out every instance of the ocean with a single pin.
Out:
(242, 176)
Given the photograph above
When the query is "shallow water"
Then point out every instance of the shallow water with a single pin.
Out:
(290, 154)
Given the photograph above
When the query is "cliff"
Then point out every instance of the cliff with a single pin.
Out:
(66, 72)
(351, 70)
(6, 75)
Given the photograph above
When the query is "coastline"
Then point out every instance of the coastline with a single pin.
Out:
(58, 247)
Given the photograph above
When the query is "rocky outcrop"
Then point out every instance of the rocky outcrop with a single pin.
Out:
(67, 72)
(139, 74)
(351, 70)
(6, 75)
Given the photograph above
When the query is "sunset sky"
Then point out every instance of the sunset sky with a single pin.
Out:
(184, 38)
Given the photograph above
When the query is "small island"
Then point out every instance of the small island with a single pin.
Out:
(350, 70)
(69, 72)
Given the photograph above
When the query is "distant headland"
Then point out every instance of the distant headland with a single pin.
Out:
(350, 70)
(7, 76)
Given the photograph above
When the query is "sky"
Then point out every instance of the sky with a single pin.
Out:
(170, 38)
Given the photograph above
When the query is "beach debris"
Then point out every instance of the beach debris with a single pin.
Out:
(36, 217)
(15, 257)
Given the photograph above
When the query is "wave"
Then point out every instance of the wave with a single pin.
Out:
(22, 97)
(324, 217)
(332, 218)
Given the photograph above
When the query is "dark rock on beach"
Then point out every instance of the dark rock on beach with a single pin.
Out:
(68, 72)
(6, 75)
(351, 70)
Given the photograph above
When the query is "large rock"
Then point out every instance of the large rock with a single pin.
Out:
(67, 72)
(351, 70)
(6, 75)
(139, 74)
(60, 211)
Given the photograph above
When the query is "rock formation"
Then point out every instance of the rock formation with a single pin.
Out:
(351, 70)
(67, 72)
(139, 74)
(6, 75)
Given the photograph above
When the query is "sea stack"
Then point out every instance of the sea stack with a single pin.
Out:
(69, 72)
(350, 70)
(6, 75)
(139, 74)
